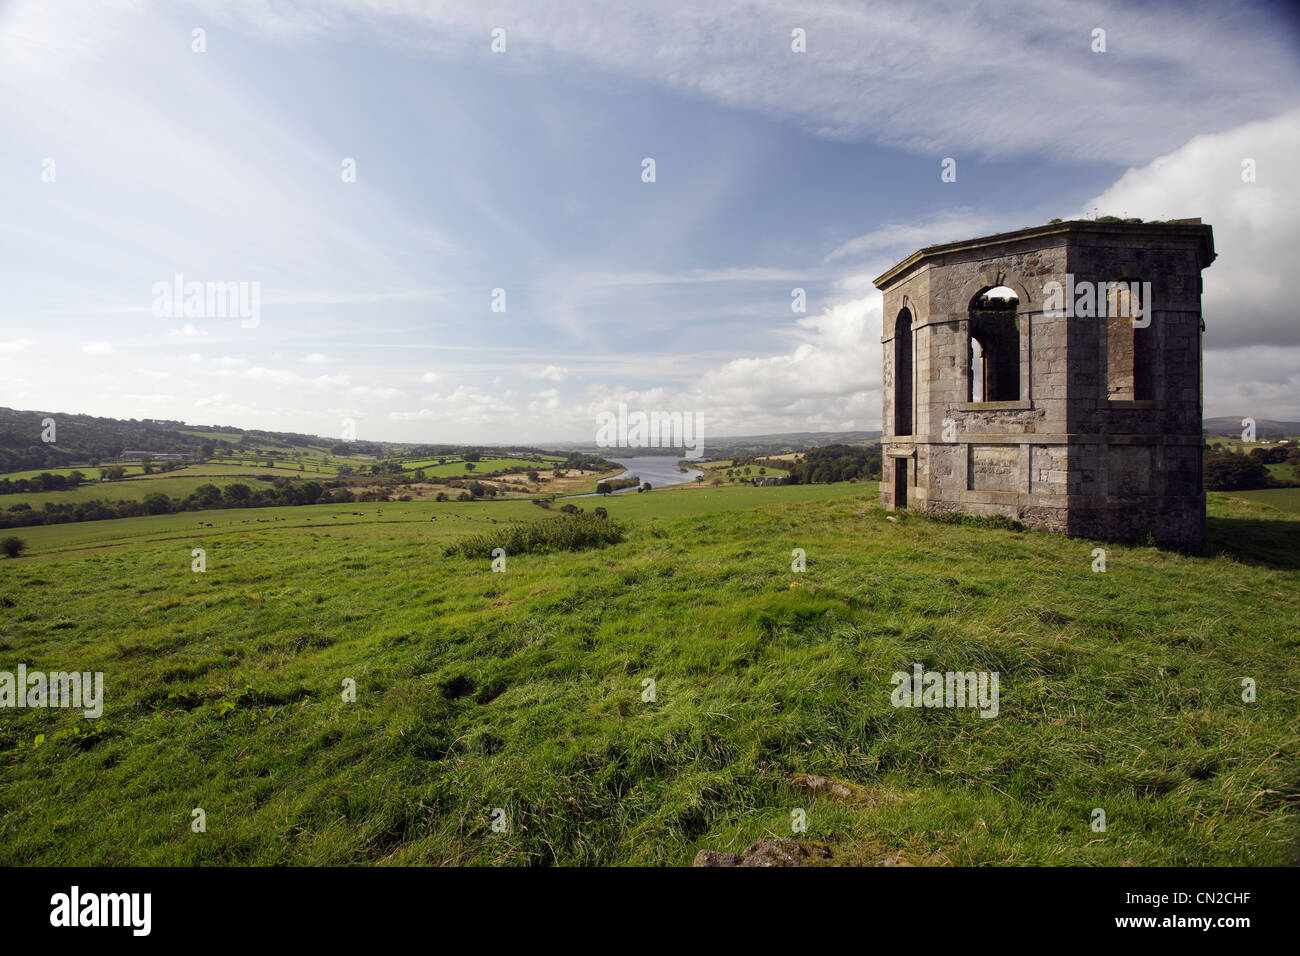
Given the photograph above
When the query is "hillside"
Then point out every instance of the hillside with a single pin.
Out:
(1264, 427)
(524, 690)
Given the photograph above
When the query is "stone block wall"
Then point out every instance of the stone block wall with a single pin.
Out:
(1074, 451)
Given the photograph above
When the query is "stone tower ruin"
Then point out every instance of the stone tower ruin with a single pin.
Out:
(1052, 375)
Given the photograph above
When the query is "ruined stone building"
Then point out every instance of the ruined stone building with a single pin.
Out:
(1053, 375)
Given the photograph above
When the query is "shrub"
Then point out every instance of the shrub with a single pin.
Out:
(13, 546)
(567, 533)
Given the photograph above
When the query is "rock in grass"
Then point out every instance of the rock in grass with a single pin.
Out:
(825, 787)
(781, 851)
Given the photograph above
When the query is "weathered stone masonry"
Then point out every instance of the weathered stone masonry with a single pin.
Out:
(1092, 425)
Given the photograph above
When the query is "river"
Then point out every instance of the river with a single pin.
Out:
(660, 471)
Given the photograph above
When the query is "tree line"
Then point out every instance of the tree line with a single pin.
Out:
(829, 463)
(1226, 470)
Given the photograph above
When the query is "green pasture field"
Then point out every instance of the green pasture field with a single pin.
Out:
(1283, 499)
(526, 690)
(90, 471)
(174, 484)
(455, 467)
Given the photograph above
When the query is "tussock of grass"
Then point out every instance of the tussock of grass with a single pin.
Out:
(998, 522)
(576, 532)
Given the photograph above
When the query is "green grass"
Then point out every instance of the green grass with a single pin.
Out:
(562, 533)
(456, 467)
(174, 484)
(1283, 499)
(523, 690)
(89, 471)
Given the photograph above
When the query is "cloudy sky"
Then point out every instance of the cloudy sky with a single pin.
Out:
(129, 157)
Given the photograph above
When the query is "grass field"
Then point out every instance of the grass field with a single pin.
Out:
(456, 468)
(524, 690)
(89, 471)
(716, 468)
(1283, 499)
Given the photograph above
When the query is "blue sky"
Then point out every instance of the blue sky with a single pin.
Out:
(521, 171)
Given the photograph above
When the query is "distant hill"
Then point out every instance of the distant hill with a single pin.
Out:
(84, 439)
(1264, 427)
(81, 440)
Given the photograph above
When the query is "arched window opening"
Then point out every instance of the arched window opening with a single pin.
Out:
(904, 373)
(995, 335)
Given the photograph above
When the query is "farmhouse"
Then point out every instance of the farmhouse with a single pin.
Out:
(1053, 375)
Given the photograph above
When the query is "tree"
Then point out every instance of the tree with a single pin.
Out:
(646, 486)
(1235, 473)
(469, 466)
(237, 492)
(157, 503)
(13, 546)
(603, 488)
(207, 495)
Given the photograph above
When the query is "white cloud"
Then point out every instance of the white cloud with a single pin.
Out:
(375, 394)
(1006, 80)
(1249, 304)
(16, 345)
(97, 348)
(189, 331)
(1248, 299)
(552, 373)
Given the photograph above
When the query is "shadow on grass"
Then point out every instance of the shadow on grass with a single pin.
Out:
(1269, 542)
